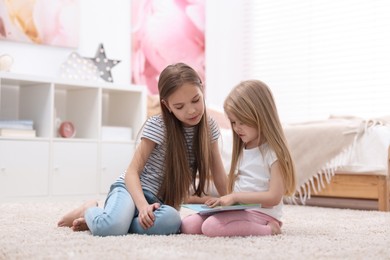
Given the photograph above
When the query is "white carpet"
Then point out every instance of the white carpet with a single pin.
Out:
(28, 231)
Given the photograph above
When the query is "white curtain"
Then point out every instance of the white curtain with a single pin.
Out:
(320, 57)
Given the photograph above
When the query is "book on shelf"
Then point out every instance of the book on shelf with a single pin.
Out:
(17, 124)
(203, 209)
(13, 132)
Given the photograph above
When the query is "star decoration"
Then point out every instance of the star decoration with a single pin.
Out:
(79, 68)
(103, 64)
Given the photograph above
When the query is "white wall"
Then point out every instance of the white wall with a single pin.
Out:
(101, 21)
(224, 36)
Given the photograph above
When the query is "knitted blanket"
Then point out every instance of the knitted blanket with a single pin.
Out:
(319, 148)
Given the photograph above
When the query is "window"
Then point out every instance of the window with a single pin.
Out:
(321, 58)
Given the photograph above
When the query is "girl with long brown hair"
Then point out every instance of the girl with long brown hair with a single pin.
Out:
(177, 156)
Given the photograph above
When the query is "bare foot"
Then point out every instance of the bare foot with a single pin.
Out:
(67, 219)
(275, 227)
(79, 224)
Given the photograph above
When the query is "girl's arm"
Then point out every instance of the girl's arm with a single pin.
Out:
(133, 183)
(218, 170)
(197, 199)
(268, 198)
(219, 178)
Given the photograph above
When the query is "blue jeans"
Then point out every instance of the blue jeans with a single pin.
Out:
(120, 216)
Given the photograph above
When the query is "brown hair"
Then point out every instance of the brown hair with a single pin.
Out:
(178, 176)
(253, 104)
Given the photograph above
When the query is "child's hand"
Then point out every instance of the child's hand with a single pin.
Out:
(146, 216)
(227, 200)
(212, 202)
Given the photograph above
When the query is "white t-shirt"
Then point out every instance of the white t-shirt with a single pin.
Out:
(254, 174)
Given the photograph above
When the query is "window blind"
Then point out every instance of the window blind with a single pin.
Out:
(320, 57)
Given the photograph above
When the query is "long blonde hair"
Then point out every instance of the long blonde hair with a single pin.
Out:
(253, 104)
(178, 176)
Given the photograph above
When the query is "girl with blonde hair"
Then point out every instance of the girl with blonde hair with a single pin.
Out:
(177, 155)
(262, 170)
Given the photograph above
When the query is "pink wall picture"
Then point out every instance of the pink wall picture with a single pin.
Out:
(50, 22)
(166, 32)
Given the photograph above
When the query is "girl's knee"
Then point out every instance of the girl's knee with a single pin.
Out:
(104, 227)
(211, 227)
(115, 218)
(168, 220)
(104, 224)
(192, 225)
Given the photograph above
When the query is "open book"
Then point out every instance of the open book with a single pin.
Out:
(203, 209)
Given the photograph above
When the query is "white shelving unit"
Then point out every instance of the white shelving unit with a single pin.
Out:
(49, 165)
